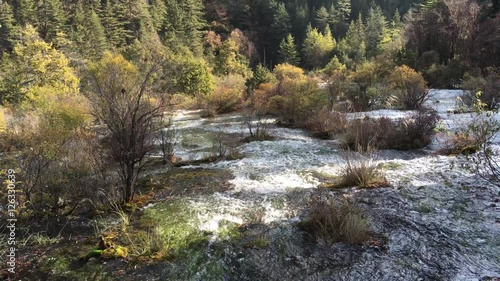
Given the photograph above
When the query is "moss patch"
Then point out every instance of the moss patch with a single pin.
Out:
(179, 181)
(177, 223)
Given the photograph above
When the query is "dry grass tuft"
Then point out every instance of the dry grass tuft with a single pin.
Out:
(333, 220)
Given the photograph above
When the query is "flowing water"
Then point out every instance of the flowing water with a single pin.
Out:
(439, 221)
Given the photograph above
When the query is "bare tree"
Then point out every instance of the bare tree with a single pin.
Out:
(123, 101)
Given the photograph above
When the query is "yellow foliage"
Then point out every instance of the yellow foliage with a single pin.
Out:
(287, 71)
(44, 72)
(125, 73)
(409, 86)
(366, 73)
(228, 94)
(115, 253)
(3, 122)
(262, 95)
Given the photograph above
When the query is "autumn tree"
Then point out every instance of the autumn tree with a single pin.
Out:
(121, 100)
(40, 86)
(33, 67)
(409, 87)
(191, 76)
(230, 60)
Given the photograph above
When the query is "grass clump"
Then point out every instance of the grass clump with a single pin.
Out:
(333, 220)
(460, 143)
(359, 171)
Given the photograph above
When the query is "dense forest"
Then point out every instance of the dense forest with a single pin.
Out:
(87, 86)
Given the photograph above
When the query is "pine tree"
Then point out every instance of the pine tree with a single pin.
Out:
(281, 20)
(26, 12)
(396, 20)
(261, 75)
(340, 17)
(158, 11)
(375, 29)
(51, 19)
(183, 24)
(172, 24)
(322, 18)
(280, 28)
(194, 24)
(127, 14)
(288, 51)
(239, 14)
(299, 24)
(112, 26)
(7, 28)
(353, 45)
(88, 33)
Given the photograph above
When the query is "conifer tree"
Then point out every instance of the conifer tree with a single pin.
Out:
(353, 44)
(396, 20)
(322, 18)
(194, 24)
(288, 51)
(158, 11)
(51, 19)
(26, 12)
(340, 17)
(114, 29)
(127, 13)
(280, 28)
(375, 29)
(88, 33)
(299, 24)
(239, 14)
(7, 28)
(183, 24)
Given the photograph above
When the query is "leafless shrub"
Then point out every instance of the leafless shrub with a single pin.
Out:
(381, 133)
(326, 123)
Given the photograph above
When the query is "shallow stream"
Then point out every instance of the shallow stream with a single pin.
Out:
(438, 220)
